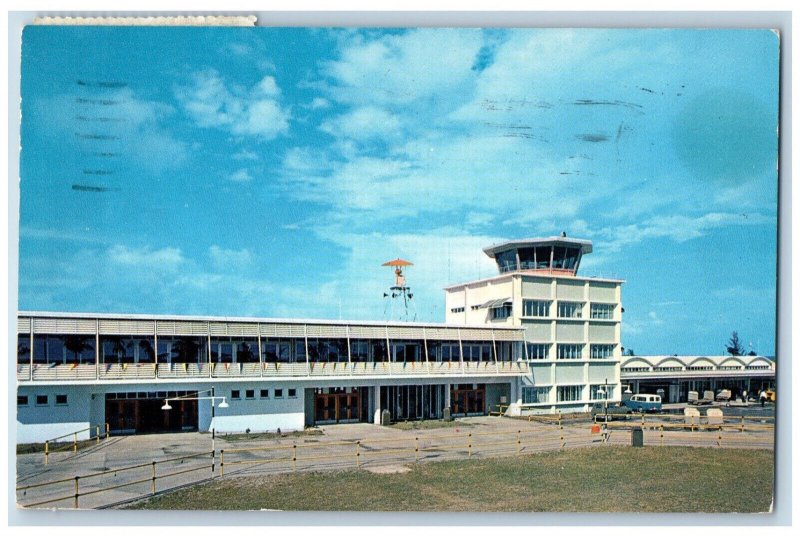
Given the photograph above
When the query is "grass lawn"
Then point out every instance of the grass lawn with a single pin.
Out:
(649, 479)
(246, 437)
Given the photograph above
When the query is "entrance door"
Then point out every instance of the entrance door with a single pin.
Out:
(325, 407)
(336, 407)
(142, 416)
(466, 401)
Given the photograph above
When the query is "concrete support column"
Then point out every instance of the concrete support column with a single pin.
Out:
(376, 397)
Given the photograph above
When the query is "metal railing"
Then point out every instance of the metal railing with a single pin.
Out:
(139, 474)
(264, 369)
(225, 369)
(126, 371)
(344, 454)
(53, 445)
(63, 372)
(183, 370)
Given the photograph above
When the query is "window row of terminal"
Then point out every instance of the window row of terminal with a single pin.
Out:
(536, 338)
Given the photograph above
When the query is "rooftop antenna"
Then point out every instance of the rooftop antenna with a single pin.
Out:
(400, 295)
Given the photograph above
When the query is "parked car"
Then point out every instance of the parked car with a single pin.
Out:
(723, 395)
(614, 412)
(643, 402)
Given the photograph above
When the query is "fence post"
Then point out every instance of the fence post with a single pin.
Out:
(416, 449)
(97, 434)
(154, 477)
(561, 429)
(294, 457)
(46, 451)
(74, 442)
(358, 453)
(221, 462)
(519, 442)
(108, 430)
(213, 451)
(469, 445)
(742, 422)
(76, 491)
(662, 434)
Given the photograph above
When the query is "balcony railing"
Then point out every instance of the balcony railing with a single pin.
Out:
(63, 371)
(23, 371)
(127, 371)
(181, 370)
(235, 370)
(266, 369)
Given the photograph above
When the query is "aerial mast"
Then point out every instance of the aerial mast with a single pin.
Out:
(400, 295)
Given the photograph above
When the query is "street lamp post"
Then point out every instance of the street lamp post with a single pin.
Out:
(223, 404)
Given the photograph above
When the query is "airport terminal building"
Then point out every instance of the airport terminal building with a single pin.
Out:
(536, 338)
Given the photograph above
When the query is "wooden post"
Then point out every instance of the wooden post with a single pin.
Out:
(742, 422)
(662, 435)
(416, 449)
(358, 454)
(108, 430)
(154, 477)
(76, 491)
(46, 451)
(221, 462)
(294, 457)
(469, 445)
(74, 442)
(519, 442)
(97, 434)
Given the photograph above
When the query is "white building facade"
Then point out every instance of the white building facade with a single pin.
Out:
(571, 323)
(77, 372)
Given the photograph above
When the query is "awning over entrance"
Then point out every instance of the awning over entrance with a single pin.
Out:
(496, 303)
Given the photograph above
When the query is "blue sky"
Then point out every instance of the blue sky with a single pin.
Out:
(270, 172)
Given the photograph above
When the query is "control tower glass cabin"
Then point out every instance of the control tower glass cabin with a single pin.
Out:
(550, 255)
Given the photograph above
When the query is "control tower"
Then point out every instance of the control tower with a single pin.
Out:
(551, 255)
(572, 323)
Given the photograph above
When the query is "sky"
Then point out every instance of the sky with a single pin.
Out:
(271, 171)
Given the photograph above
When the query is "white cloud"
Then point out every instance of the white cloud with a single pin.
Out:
(319, 103)
(225, 260)
(440, 256)
(240, 176)
(245, 154)
(363, 123)
(679, 228)
(268, 87)
(403, 68)
(255, 112)
(166, 259)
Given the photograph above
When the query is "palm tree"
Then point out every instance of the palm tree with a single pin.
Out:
(76, 345)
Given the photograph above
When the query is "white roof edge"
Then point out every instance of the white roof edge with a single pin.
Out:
(533, 275)
(585, 244)
(265, 320)
(682, 357)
